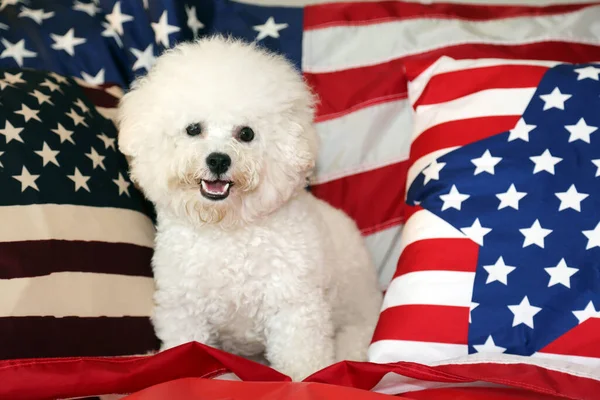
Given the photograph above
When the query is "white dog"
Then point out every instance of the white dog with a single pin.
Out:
(220, 138)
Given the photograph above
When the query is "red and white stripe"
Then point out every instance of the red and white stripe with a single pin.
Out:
(354, 56)
(456, 102)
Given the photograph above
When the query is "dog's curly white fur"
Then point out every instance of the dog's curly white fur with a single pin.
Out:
(270, 268)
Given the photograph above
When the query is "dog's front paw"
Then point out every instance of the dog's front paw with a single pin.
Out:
(300, 366)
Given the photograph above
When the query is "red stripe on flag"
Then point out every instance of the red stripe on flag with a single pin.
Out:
(425, 323)
(374, 199)
(368, 86)
(581, 341)
(459, 133)
(446, 254)
(43, 257)
(568, 52)
(338, 98)
(451, 85)
(28, 337)
(339, 14)
(100, 97)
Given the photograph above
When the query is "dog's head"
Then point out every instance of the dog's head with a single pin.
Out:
(219, 131)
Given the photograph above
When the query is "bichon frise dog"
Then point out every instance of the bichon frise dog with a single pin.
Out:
(220, 138)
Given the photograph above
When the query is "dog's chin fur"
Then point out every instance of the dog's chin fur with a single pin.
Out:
(269, 268)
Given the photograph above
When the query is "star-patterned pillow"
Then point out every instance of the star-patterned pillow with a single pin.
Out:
(501, 252)
(76, 237)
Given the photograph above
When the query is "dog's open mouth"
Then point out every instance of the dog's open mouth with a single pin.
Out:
(215, 190)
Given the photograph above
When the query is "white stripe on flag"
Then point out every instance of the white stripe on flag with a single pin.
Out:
(80, 294)
(384, 247)
(394, 384)
(368, 138)
(424, 225)
(70, 222)
(334, 48)
(486, 103)
(388, 351)
(447, 64)
(443, 288)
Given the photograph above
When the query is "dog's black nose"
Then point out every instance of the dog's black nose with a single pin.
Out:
(218, 163)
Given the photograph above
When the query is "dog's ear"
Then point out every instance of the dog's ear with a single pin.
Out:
(130, 121)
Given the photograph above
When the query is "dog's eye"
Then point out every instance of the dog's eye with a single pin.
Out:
(246, 134)
(194, 129)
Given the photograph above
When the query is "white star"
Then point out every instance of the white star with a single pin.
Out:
(1, 166)
(510, 198)
(37, 15)
(453, 199)
(108, 142)
(77, 119)
(16, 51)
(64, 134)
(6, 3)
(144, 59)
(269, 28)
(192, 20)
(593, 237)
(67, 42)
(476, 232)
(97, 79)
(116, 18)
(50, 85)
(48, 155)
(588, 72)
(80, 180)
(41, 97)
(89, 8)
(4, 84)
(545, 162)
(521, 131)
(145, 3)
(432, 172)
(14, 79)
(59, 78)
(555, 99)
(123, 185)
(11, 133)
(486, 163)
(28, 113)
(498, 272)
(561, 274)
(472, 306)
(588, 312)
(162, 29)
(27, 180)
(3, 26)
(580, 131)
(571, 199)
(535, 234)
(597, 164)
(524, 313)
(79, 103)
(489, 347)
(97, 159)
(109, 31)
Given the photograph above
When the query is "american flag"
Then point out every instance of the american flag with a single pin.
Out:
(354, 56)
(528, 200)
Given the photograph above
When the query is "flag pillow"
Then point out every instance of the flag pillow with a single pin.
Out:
(76, 237)
(500, 252)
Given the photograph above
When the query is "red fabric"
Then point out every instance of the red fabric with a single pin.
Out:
(204, 389)
(165, 376)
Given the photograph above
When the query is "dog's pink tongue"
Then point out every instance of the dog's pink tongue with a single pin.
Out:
(217, 186)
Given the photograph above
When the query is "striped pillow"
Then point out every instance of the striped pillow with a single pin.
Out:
(466, 109)
(75, 236)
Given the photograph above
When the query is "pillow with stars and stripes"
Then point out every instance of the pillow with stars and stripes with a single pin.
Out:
(75, 235)
(501, 250)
